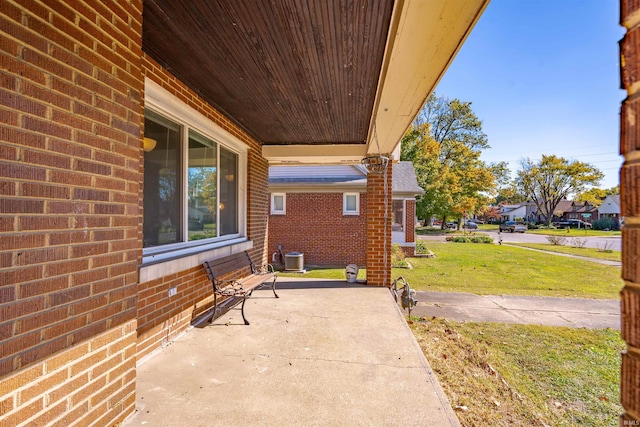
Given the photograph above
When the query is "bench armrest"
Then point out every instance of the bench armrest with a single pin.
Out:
(228, 287)
(264, 269)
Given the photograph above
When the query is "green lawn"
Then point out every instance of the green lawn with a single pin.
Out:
(488, 269)
(324, 273)
(525, 375)
(567, 249)
(574, 232)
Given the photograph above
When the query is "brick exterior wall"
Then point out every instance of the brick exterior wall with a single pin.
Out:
(410, 221)
(70, 150)
(91, 383)
(630, 201)
(314, 225)
(71, 168)
(379, 263)
(161, 318)
(410, 227)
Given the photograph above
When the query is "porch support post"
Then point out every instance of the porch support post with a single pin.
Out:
(630, 210)
(379, 236)
(410, 226)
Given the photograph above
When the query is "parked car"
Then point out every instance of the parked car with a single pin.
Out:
(476, 220)
(572, 223)
(470, 225)
(513, 227)
(452, 225)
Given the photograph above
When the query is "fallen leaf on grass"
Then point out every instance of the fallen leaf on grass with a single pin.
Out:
(461, 408)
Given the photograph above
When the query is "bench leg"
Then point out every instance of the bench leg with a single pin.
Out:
(273, 286)
(215, 308)
(244, 299)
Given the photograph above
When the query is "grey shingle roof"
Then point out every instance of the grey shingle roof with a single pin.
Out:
(404, 179)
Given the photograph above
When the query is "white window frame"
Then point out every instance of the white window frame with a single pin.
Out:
(162, 102)
(275, 211)
(344, 204)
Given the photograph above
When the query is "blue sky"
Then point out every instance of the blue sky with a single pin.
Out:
(543, 76)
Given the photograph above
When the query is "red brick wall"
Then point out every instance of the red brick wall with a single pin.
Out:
(154, 304)
(314, 225)
(379, 245)
(410, 221)
(91, 383)
(630, 200)
(160, 317)
(70, 150)
(69, 174)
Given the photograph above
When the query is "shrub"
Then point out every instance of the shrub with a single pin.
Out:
(542, 226)
(461, 239)
(577, 242)
(605, 224)
(606, 247)
(397, 256)
(557, 240)
(482, 239)
(421, 247)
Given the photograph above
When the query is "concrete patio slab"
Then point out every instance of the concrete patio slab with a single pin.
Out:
(325, 353)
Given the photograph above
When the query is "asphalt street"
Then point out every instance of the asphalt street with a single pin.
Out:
(599, 242)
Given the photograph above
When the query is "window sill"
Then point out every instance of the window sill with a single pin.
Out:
(159, 265)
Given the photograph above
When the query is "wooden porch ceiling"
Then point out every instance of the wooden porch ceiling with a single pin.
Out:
(305, 75)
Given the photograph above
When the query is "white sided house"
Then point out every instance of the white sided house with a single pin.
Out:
(610, 207)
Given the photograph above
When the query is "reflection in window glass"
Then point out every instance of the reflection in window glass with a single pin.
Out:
(278, 204)
(202, 187)
(162, 217)
(190, 185)
(228, 192)
(398, 215)
(351, 204)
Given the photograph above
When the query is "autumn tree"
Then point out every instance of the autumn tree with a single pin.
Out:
(510, 195)
(553, 179)
(444, 143)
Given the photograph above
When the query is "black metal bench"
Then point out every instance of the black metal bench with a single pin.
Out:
(235, 277)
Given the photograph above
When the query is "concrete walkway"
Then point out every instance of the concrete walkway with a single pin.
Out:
(571, 312)
(324, 354)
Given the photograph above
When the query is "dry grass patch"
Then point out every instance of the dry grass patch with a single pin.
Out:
(525, 375)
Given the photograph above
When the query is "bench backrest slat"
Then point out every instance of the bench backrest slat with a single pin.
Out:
(236, 266)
